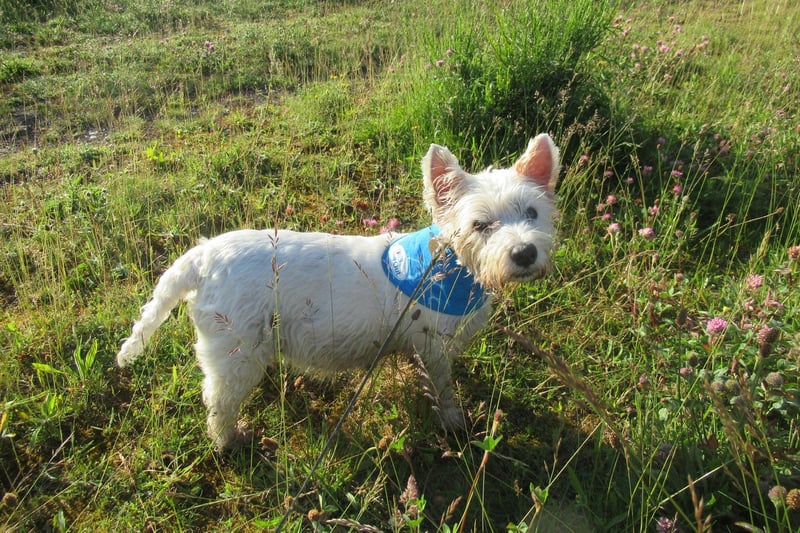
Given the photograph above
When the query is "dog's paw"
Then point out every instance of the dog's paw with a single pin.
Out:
(240, 436)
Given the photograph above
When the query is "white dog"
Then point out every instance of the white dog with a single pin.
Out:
(326, 302)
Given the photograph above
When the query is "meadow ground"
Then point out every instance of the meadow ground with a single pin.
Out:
(650, 383)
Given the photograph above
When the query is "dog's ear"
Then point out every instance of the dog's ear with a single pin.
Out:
(443, 176)
(540, 162)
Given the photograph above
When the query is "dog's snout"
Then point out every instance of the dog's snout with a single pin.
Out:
(524, 255)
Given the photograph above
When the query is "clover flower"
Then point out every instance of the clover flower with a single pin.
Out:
(754, 281)
(793, 499)
(648, 233)
(716, 325)
(773, 380)
(767, 335)
(777, 495)
(667, 525)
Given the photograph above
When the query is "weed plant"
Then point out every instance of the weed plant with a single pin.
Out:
(649, 384)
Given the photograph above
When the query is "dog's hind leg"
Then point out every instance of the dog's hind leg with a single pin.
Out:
(230, 374)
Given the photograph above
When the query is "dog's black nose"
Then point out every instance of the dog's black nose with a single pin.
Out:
(524, 255)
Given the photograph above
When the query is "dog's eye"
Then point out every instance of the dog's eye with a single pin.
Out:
(532, 213)
(481, 226)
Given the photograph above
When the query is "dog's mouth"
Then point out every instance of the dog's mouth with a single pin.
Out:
(514, 277)
(530, 275)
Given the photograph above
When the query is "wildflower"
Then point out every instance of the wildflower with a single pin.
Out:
(369, 222)
(679, 53)
(667, 525)
(716, 325)
(677, 188)
(9, 500)
(647, 169)
(793, 499)
(608, 173)
(732, 386)
(770, 302)
(289, 211)
(210, 46)
(653, 210)
(685, 371)
(411, 493)
(753, 281)
(676, 173)
(410, 496)
(315, 515)
(648, 233)
(439, 62)
(613, 228)
(606, 216)
(767, 335)
(773, 380)
(583, 159)
(629, 180)
(613, 439)
(777, 495)
(392, 225)
(664, 49)
(794, 253)
(611, 200)
(717, 387)
(449, 52)
(739, 402)
(661, 141)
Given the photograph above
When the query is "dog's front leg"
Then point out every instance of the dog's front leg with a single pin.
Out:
(436, 353)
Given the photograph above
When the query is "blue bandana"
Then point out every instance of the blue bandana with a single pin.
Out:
(449, 288)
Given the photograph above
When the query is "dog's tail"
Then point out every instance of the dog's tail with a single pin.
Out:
(174, 285)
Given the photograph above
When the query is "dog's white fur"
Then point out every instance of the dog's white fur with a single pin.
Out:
(323, 302)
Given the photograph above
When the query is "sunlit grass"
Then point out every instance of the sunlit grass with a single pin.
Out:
(130, 130)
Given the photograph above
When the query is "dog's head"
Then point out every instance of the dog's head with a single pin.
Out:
(500, 222)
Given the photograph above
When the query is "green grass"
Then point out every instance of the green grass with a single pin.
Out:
(130, 129)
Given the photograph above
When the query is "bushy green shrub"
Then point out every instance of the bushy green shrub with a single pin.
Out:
(503, 72)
